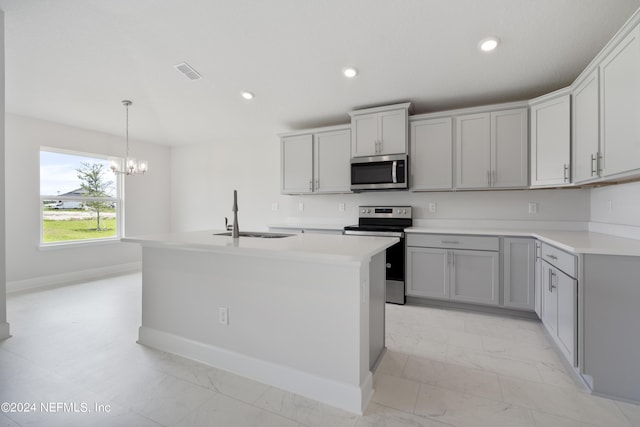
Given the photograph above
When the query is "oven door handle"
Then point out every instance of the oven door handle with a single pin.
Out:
(374, 233)
(394, 172)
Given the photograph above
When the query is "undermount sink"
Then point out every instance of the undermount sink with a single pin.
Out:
(256, 235)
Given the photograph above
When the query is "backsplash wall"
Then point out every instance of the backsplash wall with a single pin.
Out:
(204, 177)
(500, 206)
(615, 209)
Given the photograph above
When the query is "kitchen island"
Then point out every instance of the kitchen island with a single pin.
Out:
(303, 313)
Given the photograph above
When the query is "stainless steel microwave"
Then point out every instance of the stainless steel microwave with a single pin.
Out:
(379, 173)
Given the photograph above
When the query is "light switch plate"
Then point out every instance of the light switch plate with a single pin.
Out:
(433, 208)
(533, 208)
(223, 315)
(300, 207)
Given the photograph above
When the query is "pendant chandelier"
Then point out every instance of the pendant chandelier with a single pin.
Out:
(131, 165)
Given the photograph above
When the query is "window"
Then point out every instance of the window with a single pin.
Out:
(80, 198)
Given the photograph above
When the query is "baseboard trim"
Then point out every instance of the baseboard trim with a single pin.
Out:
(478, 308)
(4, 331)
(341, 395)
(63, 279)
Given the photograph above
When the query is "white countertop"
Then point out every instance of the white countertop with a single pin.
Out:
(578, 242)
(313, 247)
(311, 226)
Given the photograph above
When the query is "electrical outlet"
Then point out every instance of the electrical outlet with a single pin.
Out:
(433, 208)
(274, 206)
(223, 315)
(533, 208)
(300, 207)
(610, 206)
(341, 207)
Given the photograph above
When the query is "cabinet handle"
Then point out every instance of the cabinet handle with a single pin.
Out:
(494, 176)
(551, 285)
(310, 185)
(553, 257)
(594, 163)
(488, 178)
(450, 242)
(599, 163)
(317, 183)
(381, 146)
(565, 173)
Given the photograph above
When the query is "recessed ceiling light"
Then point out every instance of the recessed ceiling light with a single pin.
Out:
(247, 95)
(488, 44)
(350, 72)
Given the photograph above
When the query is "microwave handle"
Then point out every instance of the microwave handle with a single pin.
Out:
(394, 172)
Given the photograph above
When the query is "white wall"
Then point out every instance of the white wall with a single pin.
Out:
(615, 209)
(204, 178)
(4, 326)
(147, 198)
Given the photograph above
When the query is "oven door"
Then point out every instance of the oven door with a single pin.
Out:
(379, 173)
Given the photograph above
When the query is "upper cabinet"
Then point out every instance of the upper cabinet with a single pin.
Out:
(551, 140)
(316, 162)
(380, 131)
(492, 150)
(586, 129)
(431, 154)
(620, 108)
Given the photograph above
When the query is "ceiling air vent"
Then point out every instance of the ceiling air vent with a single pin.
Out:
(188, 71)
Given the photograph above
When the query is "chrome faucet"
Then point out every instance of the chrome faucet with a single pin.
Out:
(235, 233)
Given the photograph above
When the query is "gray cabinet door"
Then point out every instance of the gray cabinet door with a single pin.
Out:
(509, 149)
(297, 164)
(365, 135)
(549, 299)
(620, 106)
(566, 288)
(518, 273)
(473, 153)
(331, 161)
(432, 154)
(551, 142)
(475, 277)
(586, 129)
(428, 272)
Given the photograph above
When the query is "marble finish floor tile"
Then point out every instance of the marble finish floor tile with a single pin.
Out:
(563, 403)
(442, 368)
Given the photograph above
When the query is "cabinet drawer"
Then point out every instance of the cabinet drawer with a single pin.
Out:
(454, 241)
(560, 259)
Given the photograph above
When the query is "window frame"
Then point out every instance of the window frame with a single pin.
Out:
(118, 199)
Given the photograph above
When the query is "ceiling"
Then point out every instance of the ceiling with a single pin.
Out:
(73, 61)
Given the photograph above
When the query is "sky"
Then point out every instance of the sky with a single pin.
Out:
(58, 173)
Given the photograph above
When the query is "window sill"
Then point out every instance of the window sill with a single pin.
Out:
(77, 244)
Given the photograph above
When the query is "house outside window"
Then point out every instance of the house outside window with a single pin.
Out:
(80, 198)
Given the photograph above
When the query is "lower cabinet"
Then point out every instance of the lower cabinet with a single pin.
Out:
(475, 277)
(559, 305)
(518, 258)
(428, 272)
(469, 269)
(465, 275)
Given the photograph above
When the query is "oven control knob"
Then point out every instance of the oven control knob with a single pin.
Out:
(404, 211)
(368, 211)
(364, 210)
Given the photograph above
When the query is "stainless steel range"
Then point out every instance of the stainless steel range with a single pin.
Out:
(387, 221)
